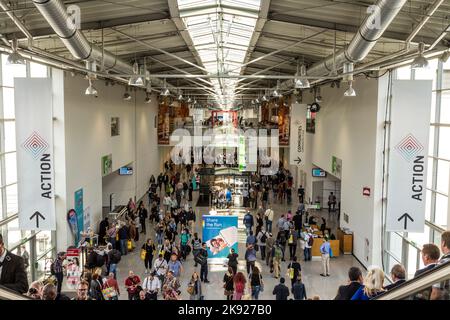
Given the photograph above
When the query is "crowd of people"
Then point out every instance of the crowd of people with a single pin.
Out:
(172, 238)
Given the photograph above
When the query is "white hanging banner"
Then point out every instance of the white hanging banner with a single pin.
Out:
(34, 137)
(408, 156)
(298, 135)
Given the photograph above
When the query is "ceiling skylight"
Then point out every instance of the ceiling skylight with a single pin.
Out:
(221, 31)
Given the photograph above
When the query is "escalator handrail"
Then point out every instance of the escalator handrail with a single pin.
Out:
(421, 282)
(8, 294)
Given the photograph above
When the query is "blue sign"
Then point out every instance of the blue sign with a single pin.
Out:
(220, 233)
(79, 210)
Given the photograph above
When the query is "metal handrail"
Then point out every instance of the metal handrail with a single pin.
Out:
(422, 282)
(7, 294)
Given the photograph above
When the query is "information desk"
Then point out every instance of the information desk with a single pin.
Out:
(346, 241)
(315, 251)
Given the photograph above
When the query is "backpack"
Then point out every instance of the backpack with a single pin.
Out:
(184, 238)
(115, 256)
(263, 238)
(278, 253)
(310, 241)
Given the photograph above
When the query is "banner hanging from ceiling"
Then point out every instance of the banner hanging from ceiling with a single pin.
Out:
(298, 135)
(34, 136)
(408, 156)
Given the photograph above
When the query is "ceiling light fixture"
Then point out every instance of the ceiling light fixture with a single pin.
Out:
(445, 56)
(350, 91)
(276, 93)
(165, 92)
(136, 80)
(148, 99)
(420, 62)
(301, 83)
(14, 57)
(91, 91)
(318, 97)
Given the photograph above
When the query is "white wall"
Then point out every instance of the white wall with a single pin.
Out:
(348, 128)
(88, 138)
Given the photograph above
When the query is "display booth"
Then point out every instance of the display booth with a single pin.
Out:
(230, 180)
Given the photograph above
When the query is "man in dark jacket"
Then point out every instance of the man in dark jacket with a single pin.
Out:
(430, 257)
(299, 290)
(398, 275)
(346, 292)
(280, 291)
(203, 261)
(12, 270)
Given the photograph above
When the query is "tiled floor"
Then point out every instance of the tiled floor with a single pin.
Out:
(325, 288)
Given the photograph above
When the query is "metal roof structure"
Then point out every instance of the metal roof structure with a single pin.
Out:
(199, 37)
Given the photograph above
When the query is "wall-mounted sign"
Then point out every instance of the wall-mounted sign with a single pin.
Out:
(106, 164)
(336, 167)
(34, 136)
(366, 191)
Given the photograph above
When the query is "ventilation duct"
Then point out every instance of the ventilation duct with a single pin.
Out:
(55, 12)
(365, 39)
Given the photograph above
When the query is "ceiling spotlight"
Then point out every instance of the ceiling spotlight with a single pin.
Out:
(148, 99)
(315, 107)
(318, 97)
(301, 83)
(445, 56)
(91, 91)
(165, 92)
(264, 98)
(189, 100)
(350, 91)
(276, 93)
(14, 57)
(180, 96)
(126, 95)
(420, 62)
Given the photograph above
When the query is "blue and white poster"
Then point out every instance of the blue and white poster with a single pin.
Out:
(220, 233)
(79, 210)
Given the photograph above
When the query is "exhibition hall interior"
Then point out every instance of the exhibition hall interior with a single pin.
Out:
(224, 150)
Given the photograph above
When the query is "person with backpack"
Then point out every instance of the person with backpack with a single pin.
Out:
(114, 257)
(256, 282)
(184, 242)
(202, 259)
(294, 268)
(196, 246)
(292, 242)
(248, 222)
(309, 241)
(261, 239)
(277, 258)
(269, 218)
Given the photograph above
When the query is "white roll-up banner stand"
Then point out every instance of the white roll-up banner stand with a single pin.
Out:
(34, 137)
(408, 156)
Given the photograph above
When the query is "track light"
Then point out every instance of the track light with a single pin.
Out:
(126, 95)
(180, 96)
(91, 91)
(165, 92)
(189, 100)
(14, 57)
(136, 80)
(148, 99)
(420, 62)
(301, 83)
(350, 91)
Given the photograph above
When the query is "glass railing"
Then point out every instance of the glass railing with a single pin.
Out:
(430, 285)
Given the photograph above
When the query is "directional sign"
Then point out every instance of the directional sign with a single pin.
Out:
(35, 166)
(36, 217)
(405, 218)
(298, 134)
(408, 155)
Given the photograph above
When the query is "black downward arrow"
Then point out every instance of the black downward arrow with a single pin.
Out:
(298, 160)
(406, 217)
(36, 215)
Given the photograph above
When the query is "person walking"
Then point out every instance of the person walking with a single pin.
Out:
(150, 249)
(196, 247)
(143, 215)
(111, 282)
(195, 287)
(239, 286)
(132, 284)
(58, 270)
(294, 269)
(309, 241)
(233, 260)
(299, 290)
(325, 250)
(280, 291)
(256, 282)
(250, 257)
(292, 242)
(151, 286)
(277, 254)
(161, 267)
(261, 239)
(184, 242)
(269, 218)
(248, 222)
(228, 283)
(203, 261)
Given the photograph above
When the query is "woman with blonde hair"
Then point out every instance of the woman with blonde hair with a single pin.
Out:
(372, 285)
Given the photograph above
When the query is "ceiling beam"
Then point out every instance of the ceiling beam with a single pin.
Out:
(316, 23)
(96, 25)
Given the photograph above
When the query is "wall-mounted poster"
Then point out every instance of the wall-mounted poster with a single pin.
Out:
(220, 234)
(106, 164)
(336, 167)
(115, 126)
